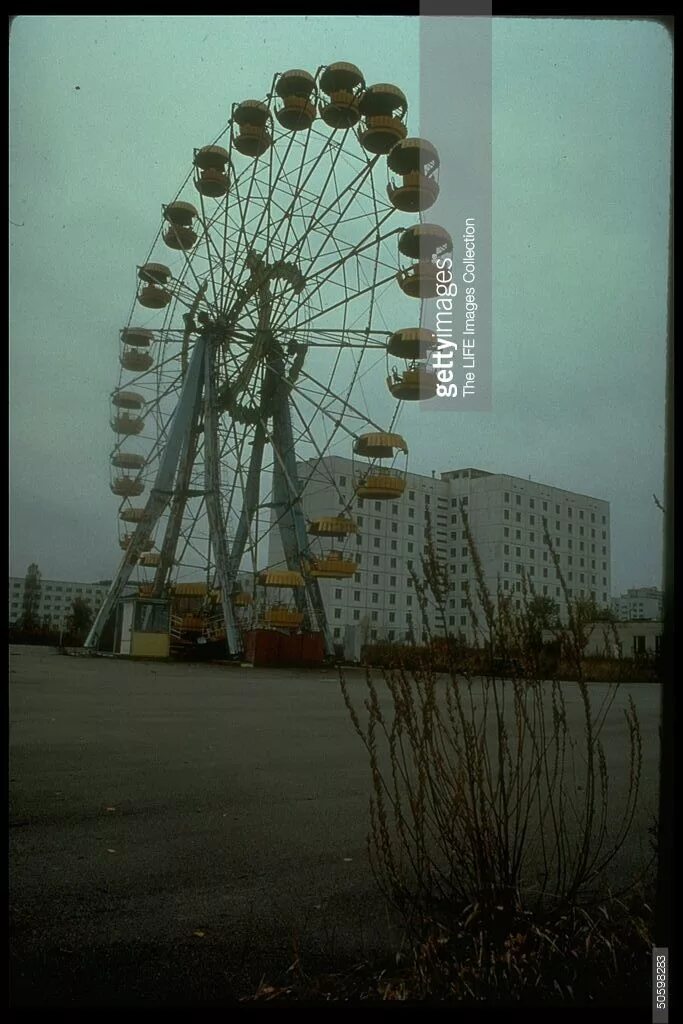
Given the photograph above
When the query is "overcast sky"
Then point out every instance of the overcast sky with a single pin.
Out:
(104, 115)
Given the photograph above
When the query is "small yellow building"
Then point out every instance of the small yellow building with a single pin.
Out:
(143, 627)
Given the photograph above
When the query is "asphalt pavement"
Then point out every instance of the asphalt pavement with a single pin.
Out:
(180, 831)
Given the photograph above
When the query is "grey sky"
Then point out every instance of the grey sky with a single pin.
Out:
(580, 205)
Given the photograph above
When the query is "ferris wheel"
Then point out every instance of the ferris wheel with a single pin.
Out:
(256, 340)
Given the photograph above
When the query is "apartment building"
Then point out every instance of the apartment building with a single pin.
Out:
(638, 603)
(506, 517)
(56, 599)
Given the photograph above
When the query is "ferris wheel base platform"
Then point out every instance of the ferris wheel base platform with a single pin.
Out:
(269, 647)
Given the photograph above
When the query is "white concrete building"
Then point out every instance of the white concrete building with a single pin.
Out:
(56, 599)
(632, 639)
(638, 603)
(506, 516)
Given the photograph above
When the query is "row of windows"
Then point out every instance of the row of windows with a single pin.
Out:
(390, 635)
(544, 507)
(50, 587)
(374, 616)
(529, 569)
(374, 596)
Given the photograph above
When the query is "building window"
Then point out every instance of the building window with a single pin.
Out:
(532, 520)
(411, 495)
(465, 552)
(392, 617)
(463, 620)
(410, 546)
(518, 534)
(394, 545)
(545, 572)
(356, 614)
(392, 598)
(506, 497)
(506, 513)
(506, 567)
(411, 531)
(409, 601)
(506, 531)
(376, 541)
(557, 511)
(532, 553)
(518, 499)
(375, 598)
(465, 500)
(411, 513)
(518, 552)
(545, 506)
(356, 595)
(506, 549)
(532, 537)
(378, 523)
(518, 517)
(337, 613)
(394, 509)
(375, 578)
(342, 481)
(639, 645)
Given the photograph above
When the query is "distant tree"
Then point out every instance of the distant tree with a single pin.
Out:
(605, 614)
(80, 619)
(32, 591)
(543, 612)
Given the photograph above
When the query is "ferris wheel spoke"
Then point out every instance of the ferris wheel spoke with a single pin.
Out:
(327, 237)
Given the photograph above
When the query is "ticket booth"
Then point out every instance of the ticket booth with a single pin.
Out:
(144, 627)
